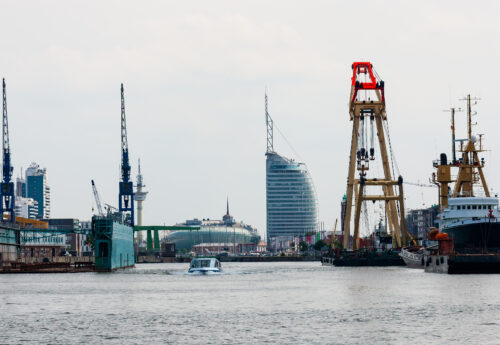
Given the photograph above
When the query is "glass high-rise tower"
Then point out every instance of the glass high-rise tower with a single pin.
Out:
(37, 188)
(290, 196)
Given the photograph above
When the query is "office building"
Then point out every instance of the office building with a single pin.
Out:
(290, 196)
(37, 189)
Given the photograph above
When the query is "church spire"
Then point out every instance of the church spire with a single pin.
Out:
(228, 220)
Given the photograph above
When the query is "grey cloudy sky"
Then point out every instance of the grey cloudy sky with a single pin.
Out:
(195, 74)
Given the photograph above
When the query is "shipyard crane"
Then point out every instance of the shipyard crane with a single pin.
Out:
(8, 199)
(126, 194)
(368, 114)
(97, 200)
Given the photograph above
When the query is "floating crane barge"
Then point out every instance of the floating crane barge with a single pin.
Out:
(368, 114)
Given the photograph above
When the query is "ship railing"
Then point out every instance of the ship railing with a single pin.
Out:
(117, 217)
(456, 163)
(460, 221)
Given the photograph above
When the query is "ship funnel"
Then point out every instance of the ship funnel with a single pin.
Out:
(444, 160)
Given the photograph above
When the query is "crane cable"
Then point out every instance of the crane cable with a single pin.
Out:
(393, 160)
(311, 180)
(420, 184)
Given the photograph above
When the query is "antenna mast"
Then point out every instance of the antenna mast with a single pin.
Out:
(269, 125)
(140, 195)
(453, 110)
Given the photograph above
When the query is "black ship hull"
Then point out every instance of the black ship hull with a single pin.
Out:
(477, 236)
(364, 258)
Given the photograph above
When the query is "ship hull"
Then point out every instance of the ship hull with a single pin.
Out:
(462, 263)
(484, 235)
(362, 258)
(412, 259)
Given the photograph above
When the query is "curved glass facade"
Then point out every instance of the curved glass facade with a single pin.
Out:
(290, 198)
(212, 234)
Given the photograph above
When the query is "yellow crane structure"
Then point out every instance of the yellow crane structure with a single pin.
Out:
(367, 104)
(470, 167)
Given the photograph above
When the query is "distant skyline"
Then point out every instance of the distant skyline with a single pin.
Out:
(195, 74)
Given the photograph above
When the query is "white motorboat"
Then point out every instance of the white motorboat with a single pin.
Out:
(413, 256)
(205, 265)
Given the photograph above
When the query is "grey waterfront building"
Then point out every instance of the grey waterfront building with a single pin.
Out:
(291, 204)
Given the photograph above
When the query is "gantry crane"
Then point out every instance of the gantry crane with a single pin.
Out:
(367, 104)
(7, 197)
(126, 196)
(97, 199)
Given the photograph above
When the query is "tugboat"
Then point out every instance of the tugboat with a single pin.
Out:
(469, 223)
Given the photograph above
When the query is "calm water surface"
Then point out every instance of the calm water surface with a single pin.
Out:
(251, 303)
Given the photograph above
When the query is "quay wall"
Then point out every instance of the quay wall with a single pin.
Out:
(8, 244)
(58, 259)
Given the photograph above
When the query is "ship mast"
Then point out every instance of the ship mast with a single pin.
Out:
(453, 110)
(469, 165)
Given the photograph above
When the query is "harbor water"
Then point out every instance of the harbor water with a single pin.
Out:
(250, 303)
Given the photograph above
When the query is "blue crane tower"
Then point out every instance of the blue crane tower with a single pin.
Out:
(126, 196)
(7, 198)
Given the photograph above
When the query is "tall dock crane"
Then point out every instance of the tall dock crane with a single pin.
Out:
(367, 111)
(126, 195)
(7, 197)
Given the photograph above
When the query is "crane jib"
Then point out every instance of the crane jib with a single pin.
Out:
(126, 187)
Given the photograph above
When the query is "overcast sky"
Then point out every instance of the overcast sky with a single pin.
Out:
(195, 74)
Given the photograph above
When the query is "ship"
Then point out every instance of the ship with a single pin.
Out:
(413, 256)
(469, 219)
(472, 222)
(114, 243)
